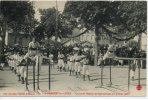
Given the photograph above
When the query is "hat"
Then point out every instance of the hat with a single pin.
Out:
(75, 48)
(86, 49)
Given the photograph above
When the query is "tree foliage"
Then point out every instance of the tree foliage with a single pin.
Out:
(48, 23)
(19, 15)
(122, 20)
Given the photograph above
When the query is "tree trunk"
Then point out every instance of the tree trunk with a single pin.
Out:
(139, 41)
(96, 46)
(4, 29)
(3, 44)
(0, 47)
(15, 38)
(6, 38)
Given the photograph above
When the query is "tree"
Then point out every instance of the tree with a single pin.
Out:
(121, 20)
(48, 24)
(18, 15)
(53, 23)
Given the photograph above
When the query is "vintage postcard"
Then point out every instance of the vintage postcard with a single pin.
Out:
(73, 48)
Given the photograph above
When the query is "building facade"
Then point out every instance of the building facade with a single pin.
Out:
(143, 41)
(89, 37)
(21, 39)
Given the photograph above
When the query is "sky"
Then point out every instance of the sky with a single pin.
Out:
(47, 4)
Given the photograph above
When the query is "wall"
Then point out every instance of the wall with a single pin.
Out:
(21, 40)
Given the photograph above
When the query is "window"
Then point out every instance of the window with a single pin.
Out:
(84, 38)
(81, 38)
(87, 38)
(92, 37)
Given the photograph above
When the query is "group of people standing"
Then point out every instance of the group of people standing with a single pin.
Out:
(17, 64)
(124, 56)
(76, 63)
(17, 60)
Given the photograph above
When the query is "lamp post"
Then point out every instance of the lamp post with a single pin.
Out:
(56, 22)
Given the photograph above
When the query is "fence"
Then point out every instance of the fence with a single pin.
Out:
(102, 67)
(129, 68)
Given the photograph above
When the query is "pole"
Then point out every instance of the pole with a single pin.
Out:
(27, 74)
(129, 74)
(102, 74)
(110, 72)
(96, 46)
(38, 87)
(49, 75)
(138, 75)
(56, 22)
(34, 75)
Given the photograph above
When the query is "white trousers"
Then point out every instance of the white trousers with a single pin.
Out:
(71, 66)
(14, 64)
(23, 71)
(11, 63)
(85, 70)
(18, 70)
(134, 64)
(38, 63)
(61, 63)
(77, 66)
(132, 73)
(121, 61)
(2, 65)
(68, 64)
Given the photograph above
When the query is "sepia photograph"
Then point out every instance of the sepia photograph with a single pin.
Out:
(73, 48)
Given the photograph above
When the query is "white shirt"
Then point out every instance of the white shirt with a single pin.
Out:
(33, 44)
(71, 58)
(85, 61)
(107, 53)
(60, 56)
(77, 57)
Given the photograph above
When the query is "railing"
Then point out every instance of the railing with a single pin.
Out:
(129, 68)
(102, 72)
